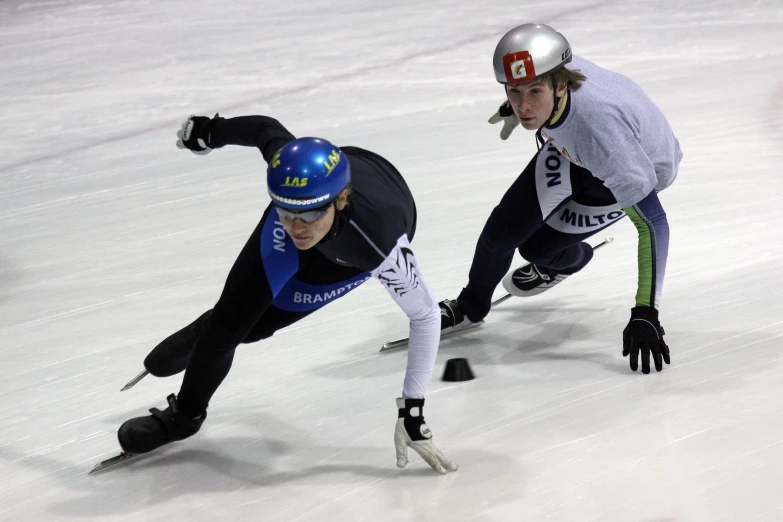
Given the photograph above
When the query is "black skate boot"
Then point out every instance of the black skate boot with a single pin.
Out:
(452, 318)
(530, 280)
(171, 356)
(144, 434)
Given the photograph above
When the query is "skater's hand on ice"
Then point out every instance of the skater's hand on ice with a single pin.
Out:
(194, 134)
(644, 333)
(505, 114)
(411, 430)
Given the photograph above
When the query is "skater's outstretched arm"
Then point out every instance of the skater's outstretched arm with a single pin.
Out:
(644, 333)
(201, 134)
(400, 274)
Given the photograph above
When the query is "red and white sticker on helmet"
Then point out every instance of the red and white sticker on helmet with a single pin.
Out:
(519, 67)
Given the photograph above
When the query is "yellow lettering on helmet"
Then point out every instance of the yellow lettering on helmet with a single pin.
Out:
(276, 158)
(295, 182)
(331, 161)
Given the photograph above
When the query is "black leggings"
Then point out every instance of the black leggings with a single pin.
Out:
(535, 217)
(244, 314)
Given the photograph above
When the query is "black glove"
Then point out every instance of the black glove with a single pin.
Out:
(194, 134)
(645, 333)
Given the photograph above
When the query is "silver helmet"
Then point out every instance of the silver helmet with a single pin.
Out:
(529, 51)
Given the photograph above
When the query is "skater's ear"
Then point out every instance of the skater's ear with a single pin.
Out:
(342, 199)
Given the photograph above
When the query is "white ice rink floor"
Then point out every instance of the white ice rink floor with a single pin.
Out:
(111, 239)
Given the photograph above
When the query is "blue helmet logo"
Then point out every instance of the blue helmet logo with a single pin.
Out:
(307, 173)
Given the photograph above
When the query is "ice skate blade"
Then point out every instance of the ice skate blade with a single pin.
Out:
(112, 462)
(135, 380)
(403, 343)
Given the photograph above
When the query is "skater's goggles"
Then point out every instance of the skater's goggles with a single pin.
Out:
(308, 216)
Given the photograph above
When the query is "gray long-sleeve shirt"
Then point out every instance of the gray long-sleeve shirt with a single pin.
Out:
(613, 129)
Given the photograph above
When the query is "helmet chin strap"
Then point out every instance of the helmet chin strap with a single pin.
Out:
(539, 138)
(340, 219)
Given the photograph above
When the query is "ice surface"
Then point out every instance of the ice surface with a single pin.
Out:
(111, 239)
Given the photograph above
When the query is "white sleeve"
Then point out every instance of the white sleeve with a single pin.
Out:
(400, 275)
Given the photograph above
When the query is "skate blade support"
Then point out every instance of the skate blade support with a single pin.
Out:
(403, 343)
(112, 462)
(134, 381)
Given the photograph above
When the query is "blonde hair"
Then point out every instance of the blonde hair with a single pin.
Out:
(572, 78)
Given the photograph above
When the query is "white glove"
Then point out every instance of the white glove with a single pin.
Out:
(194, 133)
(510, 121)
(411, 430)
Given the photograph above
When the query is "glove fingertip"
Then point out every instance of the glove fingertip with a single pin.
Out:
(436, 465)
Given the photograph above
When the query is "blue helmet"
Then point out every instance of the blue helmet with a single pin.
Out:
(307, 173)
